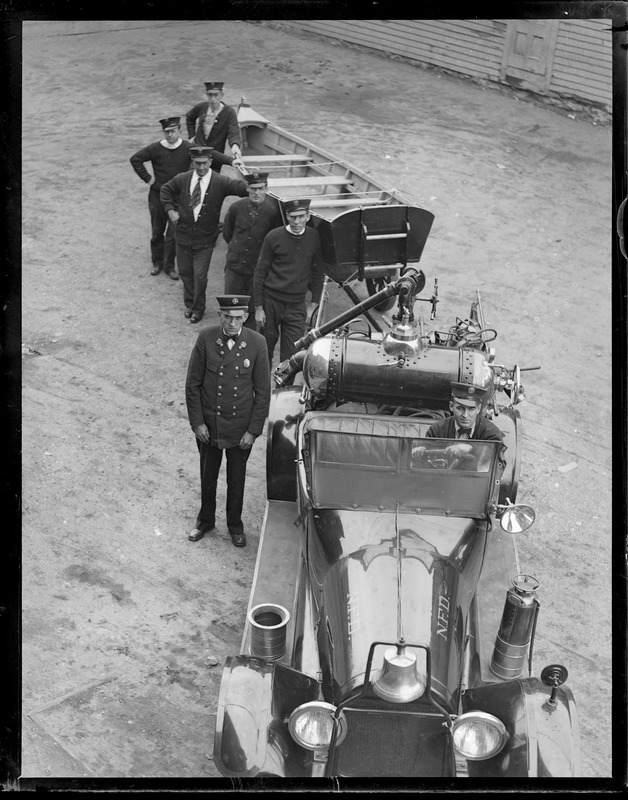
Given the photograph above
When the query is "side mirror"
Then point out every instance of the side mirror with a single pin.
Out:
(517, 519)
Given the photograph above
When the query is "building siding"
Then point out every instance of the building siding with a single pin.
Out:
(581, 61)
(583, 64)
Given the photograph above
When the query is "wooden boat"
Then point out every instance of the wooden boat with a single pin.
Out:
(368, 231)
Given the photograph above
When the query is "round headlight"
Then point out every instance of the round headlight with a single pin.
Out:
(312, 724)
(478, 735)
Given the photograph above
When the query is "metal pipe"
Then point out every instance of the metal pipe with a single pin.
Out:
(409, 283)
(355, 299)
(346, 316)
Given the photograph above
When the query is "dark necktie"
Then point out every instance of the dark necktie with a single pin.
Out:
(462, 434)
(196, 194)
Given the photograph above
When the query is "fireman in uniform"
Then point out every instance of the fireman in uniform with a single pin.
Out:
(247, 222)
(227, 393)
(465, 422)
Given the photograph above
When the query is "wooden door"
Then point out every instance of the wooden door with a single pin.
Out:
(528, 53)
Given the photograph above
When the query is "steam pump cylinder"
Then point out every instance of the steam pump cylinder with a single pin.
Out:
(349, 368)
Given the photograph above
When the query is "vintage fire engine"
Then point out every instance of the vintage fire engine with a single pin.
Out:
(390, 630)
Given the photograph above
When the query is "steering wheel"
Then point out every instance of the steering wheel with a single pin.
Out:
(440, 459)
(475, 337)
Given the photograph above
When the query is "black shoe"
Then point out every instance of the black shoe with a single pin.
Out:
(157, 268)
(195, 534)
(174, 276)
(196, 318)
(187, 313)
(238, 539)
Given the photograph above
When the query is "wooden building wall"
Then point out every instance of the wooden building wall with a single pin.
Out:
(579, 56)
(583, 61)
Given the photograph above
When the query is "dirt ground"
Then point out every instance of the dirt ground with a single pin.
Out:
(125, 622)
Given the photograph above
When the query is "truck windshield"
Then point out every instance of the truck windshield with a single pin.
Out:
(377, 471)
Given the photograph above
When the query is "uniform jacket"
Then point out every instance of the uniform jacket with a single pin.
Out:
(225, 128)
(166, 162)
(484, 429)
(175, 195)
(228, 390)
(244, 232)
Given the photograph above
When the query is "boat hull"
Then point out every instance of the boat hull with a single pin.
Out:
(367, 231)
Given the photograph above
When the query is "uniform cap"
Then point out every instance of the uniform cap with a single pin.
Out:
(295, 205)
(200, 152)
(233, 302)
(217, 85)
(467, 391)
(256, 177)
(170, 122)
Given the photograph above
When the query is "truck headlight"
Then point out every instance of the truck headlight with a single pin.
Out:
(312, 724)
(478, 735)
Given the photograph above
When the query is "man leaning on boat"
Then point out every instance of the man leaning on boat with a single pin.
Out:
(212, 124)
(290, 264)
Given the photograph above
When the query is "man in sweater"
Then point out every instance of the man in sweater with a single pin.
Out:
(290, 264)
(169, 156)
(246, 224)
(213, 124)
(193, 201)
(227, 392)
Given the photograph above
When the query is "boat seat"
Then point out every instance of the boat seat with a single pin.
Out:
(279, 158)
(314, 180)
(355, 202)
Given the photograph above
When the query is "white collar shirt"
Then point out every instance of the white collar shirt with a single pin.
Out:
(165, 143)
(458, 429)
(204, 184)
(231, 341)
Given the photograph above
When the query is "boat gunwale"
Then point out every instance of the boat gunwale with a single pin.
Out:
(391, 193)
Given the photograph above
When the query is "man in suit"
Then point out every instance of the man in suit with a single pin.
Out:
(466, 422)
(247, 222)
(193, 201)
(213, 124)
(227, 392)
(169, 156)
(290, 264)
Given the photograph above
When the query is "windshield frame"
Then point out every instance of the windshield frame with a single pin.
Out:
(401, 483)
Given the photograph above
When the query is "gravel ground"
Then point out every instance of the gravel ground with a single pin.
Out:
(124, 620)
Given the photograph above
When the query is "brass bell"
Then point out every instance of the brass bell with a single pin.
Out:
(398, 681)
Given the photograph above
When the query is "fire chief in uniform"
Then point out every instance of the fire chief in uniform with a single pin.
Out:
(227, 392)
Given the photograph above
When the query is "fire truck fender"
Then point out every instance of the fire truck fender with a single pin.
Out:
(543, 739)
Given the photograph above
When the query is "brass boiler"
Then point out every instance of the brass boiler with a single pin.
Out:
(395, 370)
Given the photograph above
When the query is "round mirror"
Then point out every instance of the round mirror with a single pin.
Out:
(516, 519)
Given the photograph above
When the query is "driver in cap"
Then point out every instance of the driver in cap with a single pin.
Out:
(466, 421)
